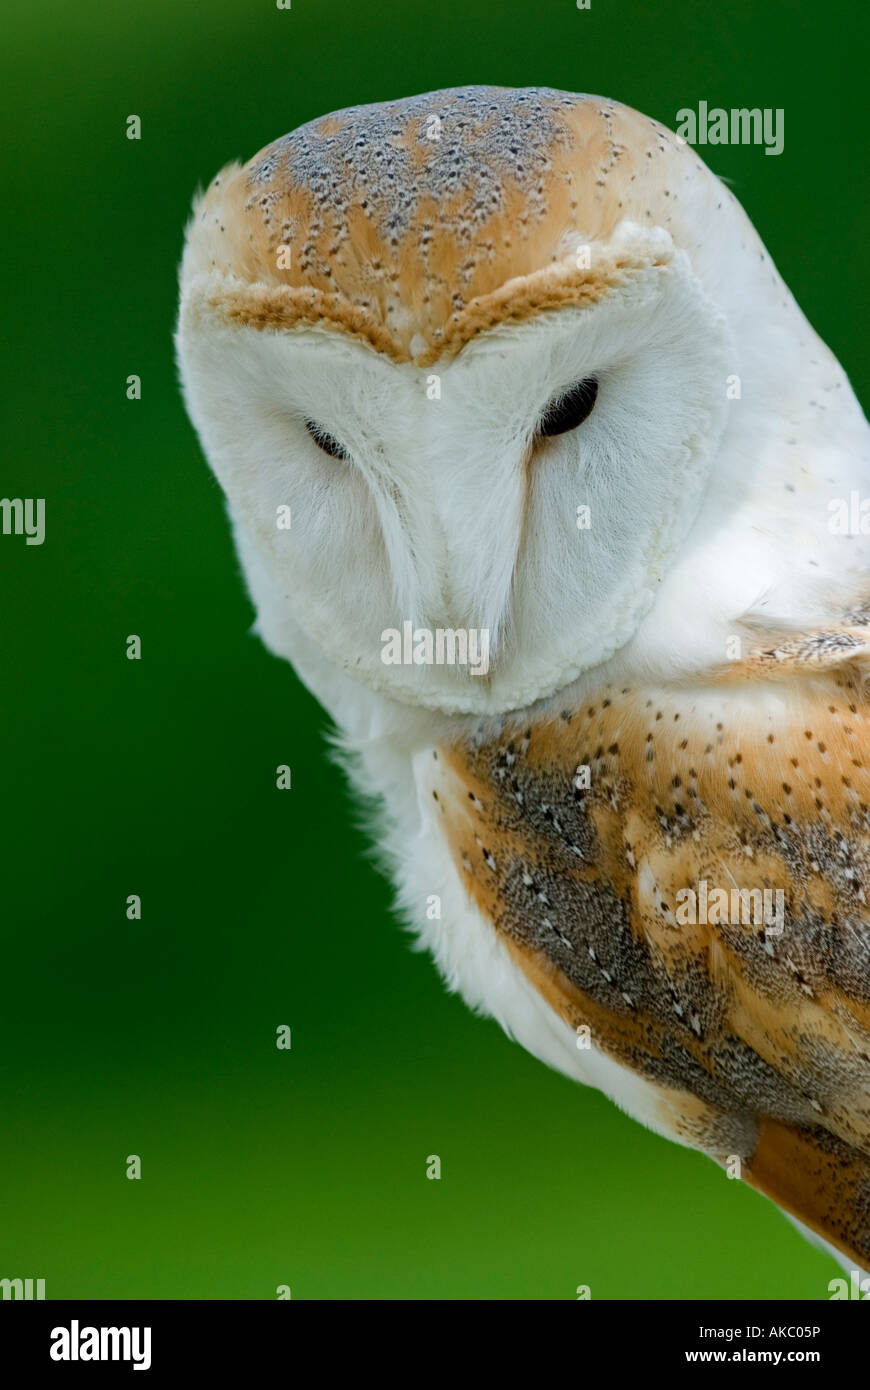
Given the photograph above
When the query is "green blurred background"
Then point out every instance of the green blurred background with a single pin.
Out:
(307, 1168)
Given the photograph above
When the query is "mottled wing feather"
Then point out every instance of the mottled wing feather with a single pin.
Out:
(756, 1039)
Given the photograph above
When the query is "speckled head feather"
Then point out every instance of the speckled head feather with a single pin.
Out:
(409, 223)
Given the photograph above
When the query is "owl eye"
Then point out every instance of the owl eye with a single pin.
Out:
(325, 441)
(570, 409)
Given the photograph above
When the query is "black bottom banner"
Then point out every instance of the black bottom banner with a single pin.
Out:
(213, 1339)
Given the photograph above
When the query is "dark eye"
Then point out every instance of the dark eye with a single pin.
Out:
(325, 441)
(569, 410)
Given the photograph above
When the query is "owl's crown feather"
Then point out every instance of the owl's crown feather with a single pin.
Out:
(415, 224)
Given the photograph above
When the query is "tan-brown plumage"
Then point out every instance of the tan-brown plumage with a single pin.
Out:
(415, 244)
(757, 1043)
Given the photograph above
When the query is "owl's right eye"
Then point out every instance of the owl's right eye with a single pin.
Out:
(325, 441)
(570, 409)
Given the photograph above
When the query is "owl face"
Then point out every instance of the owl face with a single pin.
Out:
(459, 364)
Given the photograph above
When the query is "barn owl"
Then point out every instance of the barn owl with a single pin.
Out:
(509, 374)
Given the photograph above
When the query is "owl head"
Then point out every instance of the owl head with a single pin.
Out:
(460, 363)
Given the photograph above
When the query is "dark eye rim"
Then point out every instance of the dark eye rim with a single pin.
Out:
(326, 441)
(568, 411)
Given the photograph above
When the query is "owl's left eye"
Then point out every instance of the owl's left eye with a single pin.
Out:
(570, 409)
(325, 441)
